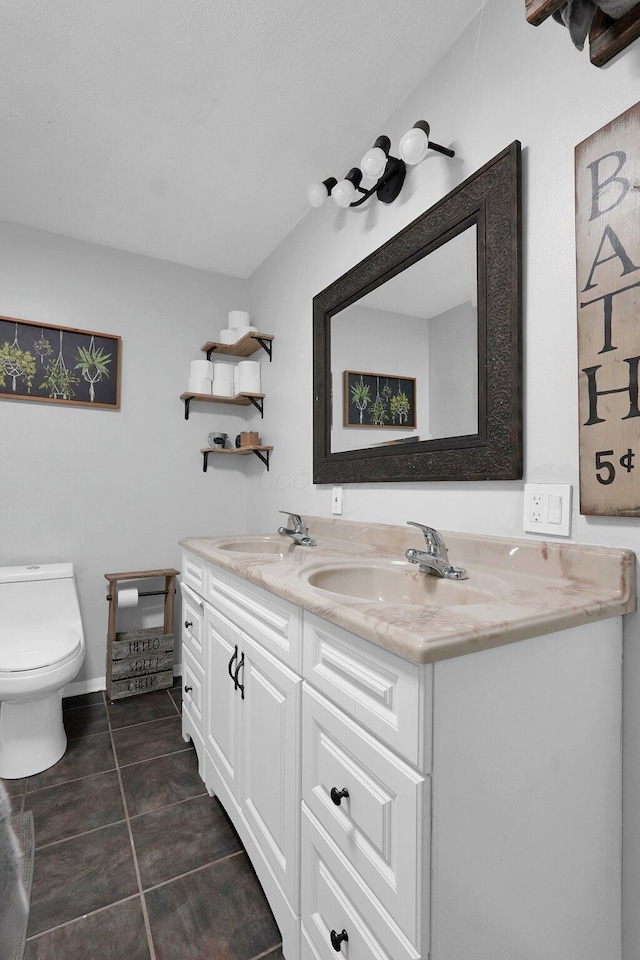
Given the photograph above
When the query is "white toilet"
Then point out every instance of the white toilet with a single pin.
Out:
(41, 650)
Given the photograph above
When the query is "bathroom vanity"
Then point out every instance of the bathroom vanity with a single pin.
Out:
(417, 767)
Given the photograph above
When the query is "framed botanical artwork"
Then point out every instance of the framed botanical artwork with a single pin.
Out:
(379, 400)
(40, 361)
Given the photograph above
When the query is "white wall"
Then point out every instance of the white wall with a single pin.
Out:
(113, 490)
(503, 80)
(453, 372)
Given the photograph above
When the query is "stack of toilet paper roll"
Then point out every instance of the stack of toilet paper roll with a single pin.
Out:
(247, 377)
(238, 324)
(223, 375)
(200, 376)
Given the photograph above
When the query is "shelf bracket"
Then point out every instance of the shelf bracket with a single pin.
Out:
(265, 459)
(186, 407)
(209, 352)
(258, 404)
(266, 346)
(205, 461)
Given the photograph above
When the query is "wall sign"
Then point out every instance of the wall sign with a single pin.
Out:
(58, 364)
(608, 281)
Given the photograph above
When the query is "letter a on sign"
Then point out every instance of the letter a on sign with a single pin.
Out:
(608, 282)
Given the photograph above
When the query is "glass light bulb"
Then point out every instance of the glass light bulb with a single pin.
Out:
(317, 193)
(373, 163)
(414, 146)
(343, 193)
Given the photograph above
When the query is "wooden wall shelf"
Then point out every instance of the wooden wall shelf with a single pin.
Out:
(240, 400)
(260, 451)
(245, 347)
(607, 37)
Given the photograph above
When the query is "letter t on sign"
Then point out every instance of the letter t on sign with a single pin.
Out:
(607, 258)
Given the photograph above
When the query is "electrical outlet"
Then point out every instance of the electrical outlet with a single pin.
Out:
(547, 508)
(536, 508)
(336, 501)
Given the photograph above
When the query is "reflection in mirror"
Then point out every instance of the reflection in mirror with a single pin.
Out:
(417, 326)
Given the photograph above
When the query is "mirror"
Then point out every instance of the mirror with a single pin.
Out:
(396, 351)
(417, 349)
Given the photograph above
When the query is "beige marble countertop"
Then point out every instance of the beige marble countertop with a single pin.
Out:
(516, 588)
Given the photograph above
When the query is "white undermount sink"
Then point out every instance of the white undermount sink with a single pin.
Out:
(275, 546)
(398, 582)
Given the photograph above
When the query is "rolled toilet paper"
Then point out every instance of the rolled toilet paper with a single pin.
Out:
(199, 385)
(238, 318)
(229, 336)
(222, 388)
(249, 368)
(248, 386)
(128, 597)
(223, 371)
(201, 368)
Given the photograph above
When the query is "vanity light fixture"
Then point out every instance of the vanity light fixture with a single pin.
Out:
(378, 164)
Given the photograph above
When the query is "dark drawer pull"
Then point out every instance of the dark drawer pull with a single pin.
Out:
(188, 689)
(337, 939)
(231, 673)
(240, 686)
(188, 623)
(337, 795)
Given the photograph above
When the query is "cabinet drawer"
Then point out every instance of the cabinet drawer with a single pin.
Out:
(382, 826)
(274, 622)
(381, 690)
(334, 898)
(192, 630)
(193, 687)
(193, 572)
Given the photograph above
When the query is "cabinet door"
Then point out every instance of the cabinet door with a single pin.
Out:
(269, 759)
(222, 701)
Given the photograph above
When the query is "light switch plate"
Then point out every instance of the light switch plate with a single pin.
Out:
(336, 501)
(547, 509)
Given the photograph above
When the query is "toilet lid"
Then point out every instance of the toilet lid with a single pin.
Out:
(40, 624)
(23, 649)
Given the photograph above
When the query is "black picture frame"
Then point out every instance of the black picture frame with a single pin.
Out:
(492, 200)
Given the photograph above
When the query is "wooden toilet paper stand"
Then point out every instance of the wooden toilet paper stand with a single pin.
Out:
(140, 660)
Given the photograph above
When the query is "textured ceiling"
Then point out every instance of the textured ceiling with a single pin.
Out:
(189, 129)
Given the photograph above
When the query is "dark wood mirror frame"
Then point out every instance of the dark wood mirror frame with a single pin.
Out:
(490, 199)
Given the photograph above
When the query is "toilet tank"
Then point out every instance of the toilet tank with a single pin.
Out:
(38, 602)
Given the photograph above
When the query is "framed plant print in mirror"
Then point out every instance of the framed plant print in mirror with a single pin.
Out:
(440, 303)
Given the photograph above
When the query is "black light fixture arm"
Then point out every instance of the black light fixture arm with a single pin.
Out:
(392, 179)
(389, 172)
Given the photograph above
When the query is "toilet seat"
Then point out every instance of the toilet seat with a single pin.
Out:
(22, 651)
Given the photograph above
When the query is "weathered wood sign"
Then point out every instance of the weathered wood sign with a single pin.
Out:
(608, 281)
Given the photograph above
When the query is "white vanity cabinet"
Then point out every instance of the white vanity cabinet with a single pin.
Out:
(250, 726)
(466, 809)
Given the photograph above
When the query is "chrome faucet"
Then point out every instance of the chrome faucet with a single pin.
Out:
(299, 534)
(435, 559)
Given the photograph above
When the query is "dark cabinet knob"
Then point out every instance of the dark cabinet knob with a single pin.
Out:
(337, 939)
(188, 689)
(188, 623)
(337, 795)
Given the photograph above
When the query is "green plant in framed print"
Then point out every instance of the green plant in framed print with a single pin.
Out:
(16, 364)
(93, 365)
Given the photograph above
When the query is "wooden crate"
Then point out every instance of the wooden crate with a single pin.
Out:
(119, 689)
(139, 661)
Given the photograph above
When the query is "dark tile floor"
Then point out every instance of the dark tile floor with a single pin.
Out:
(133, 858)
